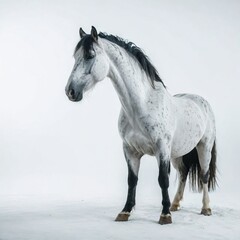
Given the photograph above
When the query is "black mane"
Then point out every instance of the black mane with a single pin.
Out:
(130, 47)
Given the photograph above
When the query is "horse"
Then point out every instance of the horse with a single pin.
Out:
(177, 129)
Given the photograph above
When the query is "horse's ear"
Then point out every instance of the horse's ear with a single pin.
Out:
(94, 33)
(82, 33)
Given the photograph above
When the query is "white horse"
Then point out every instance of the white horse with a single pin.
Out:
(180, 128)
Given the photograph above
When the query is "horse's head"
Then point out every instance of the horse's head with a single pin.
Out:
(91, 65)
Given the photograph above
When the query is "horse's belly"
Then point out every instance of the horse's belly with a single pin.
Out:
(183, 145)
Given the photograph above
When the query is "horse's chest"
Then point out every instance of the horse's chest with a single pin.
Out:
(134, 137)
(139, 142)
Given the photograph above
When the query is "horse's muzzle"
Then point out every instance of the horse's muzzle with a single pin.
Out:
(73, 95)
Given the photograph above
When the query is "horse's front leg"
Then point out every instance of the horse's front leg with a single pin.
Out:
(133, 161)
(163, 179)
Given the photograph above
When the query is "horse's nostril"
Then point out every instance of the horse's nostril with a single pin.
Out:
(71, 93)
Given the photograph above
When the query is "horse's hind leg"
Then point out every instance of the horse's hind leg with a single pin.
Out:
(183, 165)
(133, 162)
(182, 177)
(204, 154)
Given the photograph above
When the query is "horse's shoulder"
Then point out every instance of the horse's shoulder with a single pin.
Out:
(123, 123)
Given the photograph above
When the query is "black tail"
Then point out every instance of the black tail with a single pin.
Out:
(192, 166)
(212, 183)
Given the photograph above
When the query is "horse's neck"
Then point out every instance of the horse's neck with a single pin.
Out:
(131, 82)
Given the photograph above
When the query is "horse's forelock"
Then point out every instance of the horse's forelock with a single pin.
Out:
(86, 42)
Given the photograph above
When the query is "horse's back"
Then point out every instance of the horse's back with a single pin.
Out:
(201, 102)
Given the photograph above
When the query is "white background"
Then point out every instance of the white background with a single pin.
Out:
(51, 146)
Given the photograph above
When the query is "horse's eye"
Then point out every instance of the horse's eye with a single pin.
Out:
(90, 55)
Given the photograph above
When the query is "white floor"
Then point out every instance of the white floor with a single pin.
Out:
(40, 218)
